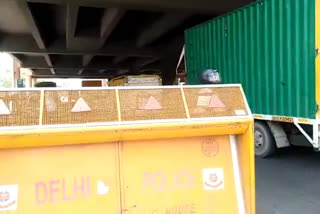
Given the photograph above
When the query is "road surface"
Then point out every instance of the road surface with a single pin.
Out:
(289, 183)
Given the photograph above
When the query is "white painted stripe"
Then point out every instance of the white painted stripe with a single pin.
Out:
(304, 133)
(180, 59)
(316, 136)
(237, 175)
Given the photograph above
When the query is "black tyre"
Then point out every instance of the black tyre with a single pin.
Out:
(264, 143)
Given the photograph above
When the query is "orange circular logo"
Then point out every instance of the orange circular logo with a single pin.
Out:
(210, 147)
(213, 178)
(4, 196)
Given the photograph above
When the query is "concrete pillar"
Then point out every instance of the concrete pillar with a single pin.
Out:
(16, 72)
(28, 82)
(33, 82)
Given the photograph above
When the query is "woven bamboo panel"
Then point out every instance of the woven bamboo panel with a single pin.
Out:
(151, 104)
(215, 102)
(22, 108)
(59, 106)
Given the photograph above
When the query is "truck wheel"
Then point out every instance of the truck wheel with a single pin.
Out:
(264, 142)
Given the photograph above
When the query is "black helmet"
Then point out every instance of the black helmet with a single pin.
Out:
(210, 76)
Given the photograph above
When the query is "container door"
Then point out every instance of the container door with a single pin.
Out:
(78, 179)
(191, 175)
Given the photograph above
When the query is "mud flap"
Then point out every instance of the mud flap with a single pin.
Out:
(279, 135)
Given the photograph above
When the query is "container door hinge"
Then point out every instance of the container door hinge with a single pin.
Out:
(317, 52)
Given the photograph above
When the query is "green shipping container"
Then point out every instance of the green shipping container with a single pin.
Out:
(269, 47)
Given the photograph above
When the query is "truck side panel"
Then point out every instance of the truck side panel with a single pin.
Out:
(268, 47)
(317, 24)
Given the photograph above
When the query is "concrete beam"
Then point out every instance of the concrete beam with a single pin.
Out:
(86, 59)
(36, 33)
(66, 73)
(119, 59)
(160, 27)
(109, 21)
(72, 41)
(101, 71)
(26, 45)
(71, 23)
(138, 69)
(38, 64)
(81, 71)
(69, 76)
(200, 6)
(62, 66)
(33, 62)
(16, 57)
(148, 62)
(49, 62)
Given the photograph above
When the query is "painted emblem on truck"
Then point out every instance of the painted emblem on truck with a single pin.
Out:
(210, 147)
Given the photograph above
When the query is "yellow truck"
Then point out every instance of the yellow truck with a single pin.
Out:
(129, 150)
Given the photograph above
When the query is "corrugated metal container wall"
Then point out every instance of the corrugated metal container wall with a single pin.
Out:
(268, 47)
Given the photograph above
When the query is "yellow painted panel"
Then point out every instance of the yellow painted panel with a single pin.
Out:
(247, 167)
(157, 174)
(186, 175)
(301, 120)
(61, 179)
(258, 116)
(103, 134)
(167, 166)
